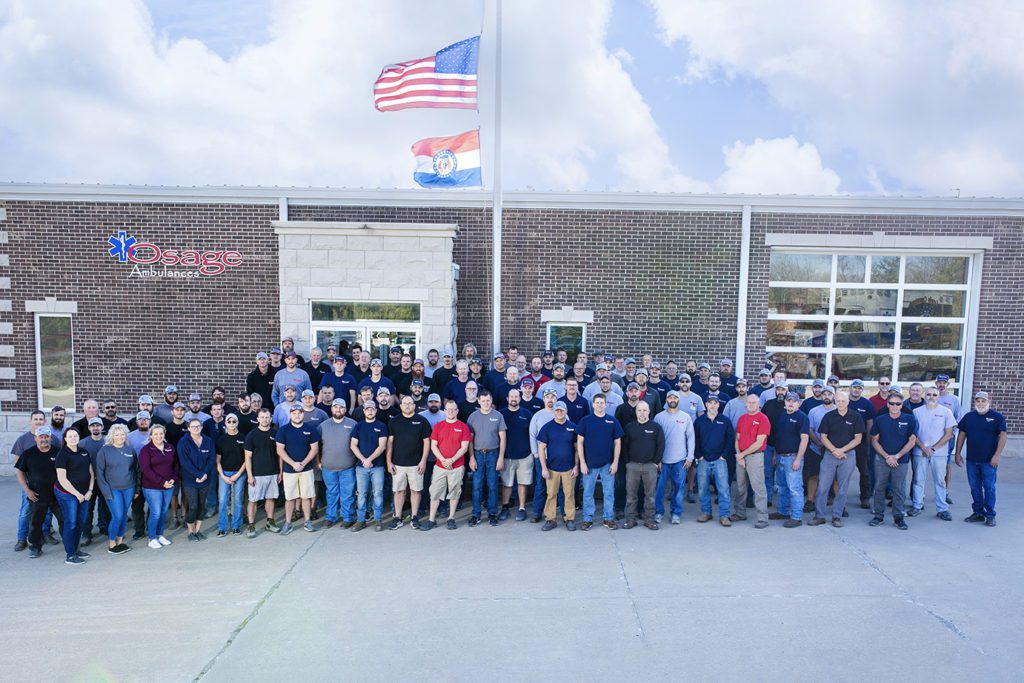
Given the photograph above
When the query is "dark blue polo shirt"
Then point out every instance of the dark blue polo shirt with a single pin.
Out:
(729, 386)
(599, 434)
(893, 435)
(714, 438)
(982, 434)
(662, 387)
(787, 430)
(368, 381)
(561, 444)
(341, 385)
(809, 404)
(575, 410)
(367, 435)
(500, 393)
(517, 432)
(862, 406)
(297, 441)
(455, 389)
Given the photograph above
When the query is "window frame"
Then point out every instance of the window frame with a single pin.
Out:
(39, 361)
(365, 326)
(581, 325)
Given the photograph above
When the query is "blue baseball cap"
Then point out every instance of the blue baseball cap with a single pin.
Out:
(560, 405)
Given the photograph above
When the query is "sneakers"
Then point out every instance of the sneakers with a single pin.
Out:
(761, 524)
(272, 527)
(328, 523)
(504, 514)
(379, 526)
(474, 520)
(704, 517)
(191, 537)
(221, 533)
(452, 524)
(120, 549)
(658, 517)
(396, 523)
(587, 525)
(629, 524)
(21, 545)
(990, 521)
(570, 524)
(610, 524)
(725, 521)
(737, 518)
(163, 541)
(817, 521)
(36, 552)
(792, 523)
(347, 525)
(876, 521)
(308, 526)
(520, 515)
(415, 522)
(492, 520)
(200, 535)
(913, 512)
(287, 529)
(154, 544)
(837, 522)
(84, 556)
(549, 525)
(428, 525)
(901, 525)
(651, 524)
(237, 531)
(676, 519)
(973, 517)
(944, 516)
(74, 559)
(250, 531)
(358, 526)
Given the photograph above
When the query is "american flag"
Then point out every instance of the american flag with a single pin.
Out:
(446, 80)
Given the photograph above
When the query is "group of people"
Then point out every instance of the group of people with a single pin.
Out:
(336, 432)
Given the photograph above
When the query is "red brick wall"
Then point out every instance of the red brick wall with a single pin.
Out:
(136, 335)
(999, 355)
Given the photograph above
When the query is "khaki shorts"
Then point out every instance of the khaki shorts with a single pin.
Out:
(521, 469)
(301, 485)
(446, 484)
(406, 475)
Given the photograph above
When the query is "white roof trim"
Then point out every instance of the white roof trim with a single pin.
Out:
(365, 229)
(624, 201)
(878, 240)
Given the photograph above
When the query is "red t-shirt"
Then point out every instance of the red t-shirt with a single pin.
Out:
(878, 402)
(750, 427)
(449, 437)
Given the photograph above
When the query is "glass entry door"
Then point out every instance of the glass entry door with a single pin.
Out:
(325, 337)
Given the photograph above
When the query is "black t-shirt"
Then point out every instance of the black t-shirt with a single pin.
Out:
(39, 468)
(77, 464)
(175, 431)
(317, 374)
(263, 447)
(107, 424)
(247, 421)
(841, 429)
(773, 408)
(467, 408)
(231, 450)
(408, 433)
(442, 376)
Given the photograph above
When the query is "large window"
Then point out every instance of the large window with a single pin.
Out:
(373, 324)
(572, 337)
(55, 361)
(865, 315)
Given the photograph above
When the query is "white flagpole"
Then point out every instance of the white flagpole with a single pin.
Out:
(496, 218)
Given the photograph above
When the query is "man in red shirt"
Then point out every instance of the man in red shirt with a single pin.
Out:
(751, 436)
(879, 399)
(449, 442)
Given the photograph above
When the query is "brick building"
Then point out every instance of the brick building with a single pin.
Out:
(856, 286)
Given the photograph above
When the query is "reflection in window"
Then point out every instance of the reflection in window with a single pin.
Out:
(797, 333)
(851, 268)
(570, 337)
(864, 335)
(880, 302)
(56, 361)
(800, 267)
(799, 365)
(327, 311)
(931, 336)
(936, 270)
(797, 300)
(925, 368)
(933, 304)
(885, 269)
(868, 367)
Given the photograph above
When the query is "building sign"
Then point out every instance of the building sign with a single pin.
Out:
(151, 260)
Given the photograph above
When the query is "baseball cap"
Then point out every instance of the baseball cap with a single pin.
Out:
(710, 398)
(528, 381)
(703, 366)
(46, 431)
(145, 398)
(370, 404)
(981, 394)
(630, 361)
(559, 366)
(294, 408)
(475, 360)
(642, 371)
(446, 354)
(548, 352)
(275, 349)
(307, 392)
(685, 377)
(284, 339)
(499, 354)
(340, 359)
(376, 361)
(725, 361)
(828, 388)
(818, 383)
(416, 383)
(98, 421)
(714, 374)
(740, 380)
(895, 388)
(433, 397)
(339, 402)
(655, 365)
(560, 405)
(418, 361)
(290, 387)
(764, 373)
(384, 390)
(632, 385)
(857, 383)
(291, 354)
(602, 366)
(143, 415)
(833, 378)
(177, 404)
(549, 390)
(262, 356)
(942, 378)
(170, 389)
(195, 397)
(674, 393)
(792, 396)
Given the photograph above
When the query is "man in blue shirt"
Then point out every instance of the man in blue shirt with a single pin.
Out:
(298, 445)
(984, 430)
(791, 430)
(598, 445)
(862, 406)
(714, 439)
(559, 466)
(814, 400)
(518, 468)
(892, 439)
(369, 441)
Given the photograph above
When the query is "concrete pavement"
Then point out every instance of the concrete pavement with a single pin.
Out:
(699, 601)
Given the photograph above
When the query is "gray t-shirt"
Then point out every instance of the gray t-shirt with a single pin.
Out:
(486, 429)
(23, 443)
(932, 425)
(116, 469)
(337, 444)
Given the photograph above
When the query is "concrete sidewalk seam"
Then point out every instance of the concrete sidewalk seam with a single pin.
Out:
(629, 592)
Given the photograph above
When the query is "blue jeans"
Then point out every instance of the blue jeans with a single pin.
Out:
(230, 492)
(119, 505)
(677, 473)
(717, 470)
(486, 464)
(341, 485)
(212, 491)
(364, 478)
(607, 492)
(982, 478)
(74, 514)
(25, 514)
(791, 487)
(158, 500)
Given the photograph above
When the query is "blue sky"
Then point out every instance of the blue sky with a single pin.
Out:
(658, 95)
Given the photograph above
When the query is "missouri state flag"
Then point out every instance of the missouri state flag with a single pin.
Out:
(448, 162)
(444, 80)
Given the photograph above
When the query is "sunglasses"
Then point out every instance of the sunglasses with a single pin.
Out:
(884, 384)
(895, 403)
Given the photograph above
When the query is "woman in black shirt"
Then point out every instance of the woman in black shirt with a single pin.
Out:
(73, 490)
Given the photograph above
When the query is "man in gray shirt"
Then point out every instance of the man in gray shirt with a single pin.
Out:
(488, 456)
(338, 464)
(677, 458)
(290, 375)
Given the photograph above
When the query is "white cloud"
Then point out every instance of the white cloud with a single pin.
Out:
(94, 94)
(779, 166)
(929, 93)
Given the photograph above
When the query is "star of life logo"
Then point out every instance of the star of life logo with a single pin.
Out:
(150, 260)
